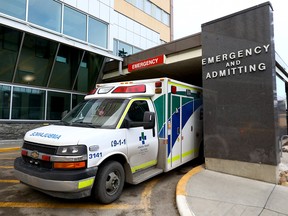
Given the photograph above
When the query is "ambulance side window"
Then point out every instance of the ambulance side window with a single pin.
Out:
(136, 111)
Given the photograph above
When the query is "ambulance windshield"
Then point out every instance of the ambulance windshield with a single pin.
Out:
(104, 113)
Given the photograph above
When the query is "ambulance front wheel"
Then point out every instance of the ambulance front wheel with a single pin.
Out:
(109, 182)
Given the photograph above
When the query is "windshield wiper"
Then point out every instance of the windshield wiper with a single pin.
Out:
(82, 124)
(77, 123)
(61, 122)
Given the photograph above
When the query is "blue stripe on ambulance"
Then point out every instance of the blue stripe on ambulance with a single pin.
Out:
(187, 111)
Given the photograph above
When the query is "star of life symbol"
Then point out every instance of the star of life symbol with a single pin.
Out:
(142, 138)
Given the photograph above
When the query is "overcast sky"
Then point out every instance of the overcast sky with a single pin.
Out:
(190, 14)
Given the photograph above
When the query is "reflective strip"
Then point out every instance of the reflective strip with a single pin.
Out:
(175, 158)
(185, 154)
(126, 110)
(144, 165)
(85, 183)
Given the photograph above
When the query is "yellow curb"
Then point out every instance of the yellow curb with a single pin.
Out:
(181, 186)
(64, 205)
(9, 149)
(284, 184)
(9, 181)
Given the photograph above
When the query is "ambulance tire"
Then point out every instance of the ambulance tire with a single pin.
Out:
(109, 182)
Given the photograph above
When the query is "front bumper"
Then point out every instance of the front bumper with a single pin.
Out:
(58, 183)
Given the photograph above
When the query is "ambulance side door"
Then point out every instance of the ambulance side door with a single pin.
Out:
(142, 143)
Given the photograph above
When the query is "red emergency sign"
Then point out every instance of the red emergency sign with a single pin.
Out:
(146, 63)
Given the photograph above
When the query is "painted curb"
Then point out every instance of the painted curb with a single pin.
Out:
(181, 193)
(9, 149)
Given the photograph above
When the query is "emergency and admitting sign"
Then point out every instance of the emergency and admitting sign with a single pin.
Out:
(158, 60)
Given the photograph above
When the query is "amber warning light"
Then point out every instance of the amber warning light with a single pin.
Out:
(158, 87)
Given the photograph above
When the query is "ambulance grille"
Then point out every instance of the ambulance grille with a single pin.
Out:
(50, 150)
(40, 148)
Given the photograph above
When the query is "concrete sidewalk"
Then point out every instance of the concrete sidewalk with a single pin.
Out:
(203, 192)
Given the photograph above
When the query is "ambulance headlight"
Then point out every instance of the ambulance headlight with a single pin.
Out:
(72, 150)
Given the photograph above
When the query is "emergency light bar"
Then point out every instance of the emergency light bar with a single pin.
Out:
(130, 89)
(93, 91)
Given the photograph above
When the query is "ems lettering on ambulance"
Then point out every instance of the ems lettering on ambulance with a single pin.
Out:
(46, 135)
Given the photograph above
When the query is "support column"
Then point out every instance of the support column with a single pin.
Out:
(240, 114)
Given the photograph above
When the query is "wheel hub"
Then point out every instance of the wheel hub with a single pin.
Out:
(112, 183)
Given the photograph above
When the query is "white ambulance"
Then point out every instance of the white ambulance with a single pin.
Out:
(121, 132)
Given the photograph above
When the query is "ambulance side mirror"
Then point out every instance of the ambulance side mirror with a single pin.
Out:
(149, 120)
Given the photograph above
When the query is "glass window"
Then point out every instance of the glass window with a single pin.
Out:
(152, 10)
(65, 68)
(76, 99)
(97, 113)
(57, 104)
(97, 33)
(45, 13)
(156, 12)
(88, 72)
(74, 24)
(136, 50)
(165, 18)
(9, 46)
(36, 59)
(28, 103)
(124, 49)
(147, 7)
(5, 93)
(140, 4)
(130, 1)
(136, 112)
(15, 8)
